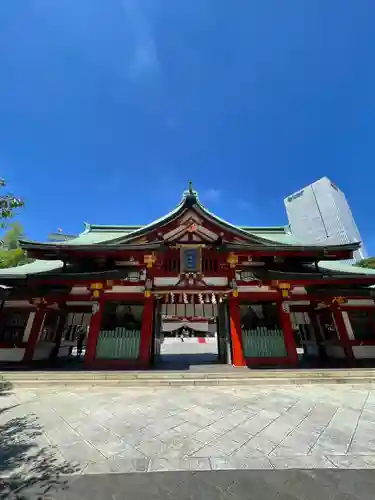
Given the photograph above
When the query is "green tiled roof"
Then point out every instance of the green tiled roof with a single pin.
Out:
(97, 234)
(94, 237)
(345, 268)
(283, 238)
(100, 234)
(36, 267)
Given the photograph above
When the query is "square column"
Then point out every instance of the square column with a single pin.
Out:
(147, 331)
(34, 334)
(236, 331)
(343, 334)
(58, 333)
(286, 325)
(93, 334)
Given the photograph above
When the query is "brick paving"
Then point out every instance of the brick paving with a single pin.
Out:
(89, 436)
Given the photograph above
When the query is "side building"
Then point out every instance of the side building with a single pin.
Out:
(320, 213)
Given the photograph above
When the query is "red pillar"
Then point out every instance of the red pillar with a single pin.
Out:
(343, 333)
(146, 331)
(93, 334)
(34, 334)
(286, 325)
(236, 332)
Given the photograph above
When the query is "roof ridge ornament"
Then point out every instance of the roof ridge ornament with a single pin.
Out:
(190, 188)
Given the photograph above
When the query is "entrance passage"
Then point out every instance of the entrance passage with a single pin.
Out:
(182, 342)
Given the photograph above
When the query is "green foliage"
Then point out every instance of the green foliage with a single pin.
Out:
(8, 204)
(15, 233)
(10, 253)
(12, 258)
(368, 263)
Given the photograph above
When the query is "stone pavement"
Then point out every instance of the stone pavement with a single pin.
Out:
(51, 436)
(175, 354)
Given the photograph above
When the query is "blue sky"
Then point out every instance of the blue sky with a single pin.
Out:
(109, 107)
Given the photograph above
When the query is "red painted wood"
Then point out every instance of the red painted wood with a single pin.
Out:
(290, 343)
(343, 333)
(236, 332)
(12, 346)
(34, 334)
(92, 338)
(146, 331)
(250, 297)
(346, 307)
(136, 297)
(361, 342)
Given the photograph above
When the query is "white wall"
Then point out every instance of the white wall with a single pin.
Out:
(364, 351)
(43, 350)
(12, 355)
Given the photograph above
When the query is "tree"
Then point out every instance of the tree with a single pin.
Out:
(368, 263)
(8, 204)
(15, 233)
(10, 253)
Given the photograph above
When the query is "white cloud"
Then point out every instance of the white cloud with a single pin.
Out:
(144, 57)
(244, 205)
(211, 194)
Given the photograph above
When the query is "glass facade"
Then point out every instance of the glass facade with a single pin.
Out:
(320, 213)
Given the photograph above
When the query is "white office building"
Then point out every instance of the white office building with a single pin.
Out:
(319, 213)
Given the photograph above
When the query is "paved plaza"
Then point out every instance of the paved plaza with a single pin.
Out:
(49, 437)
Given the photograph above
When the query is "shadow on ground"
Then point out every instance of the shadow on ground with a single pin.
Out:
(24, 464)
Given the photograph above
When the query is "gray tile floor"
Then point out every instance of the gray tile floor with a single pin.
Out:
(317, 484)
(46, 435)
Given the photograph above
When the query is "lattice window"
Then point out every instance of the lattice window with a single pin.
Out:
(12, 326)
(76, 324)
(210, 265)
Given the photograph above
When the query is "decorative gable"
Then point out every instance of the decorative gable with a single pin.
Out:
(191, 229)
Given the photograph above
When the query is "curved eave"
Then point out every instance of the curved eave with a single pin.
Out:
(322, 278)
(191, 201)
(53, 252)
(350, 247)
(115, 274)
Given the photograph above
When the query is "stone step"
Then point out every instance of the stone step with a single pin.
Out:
(74, 383)
(157, 379)
(178, 375)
